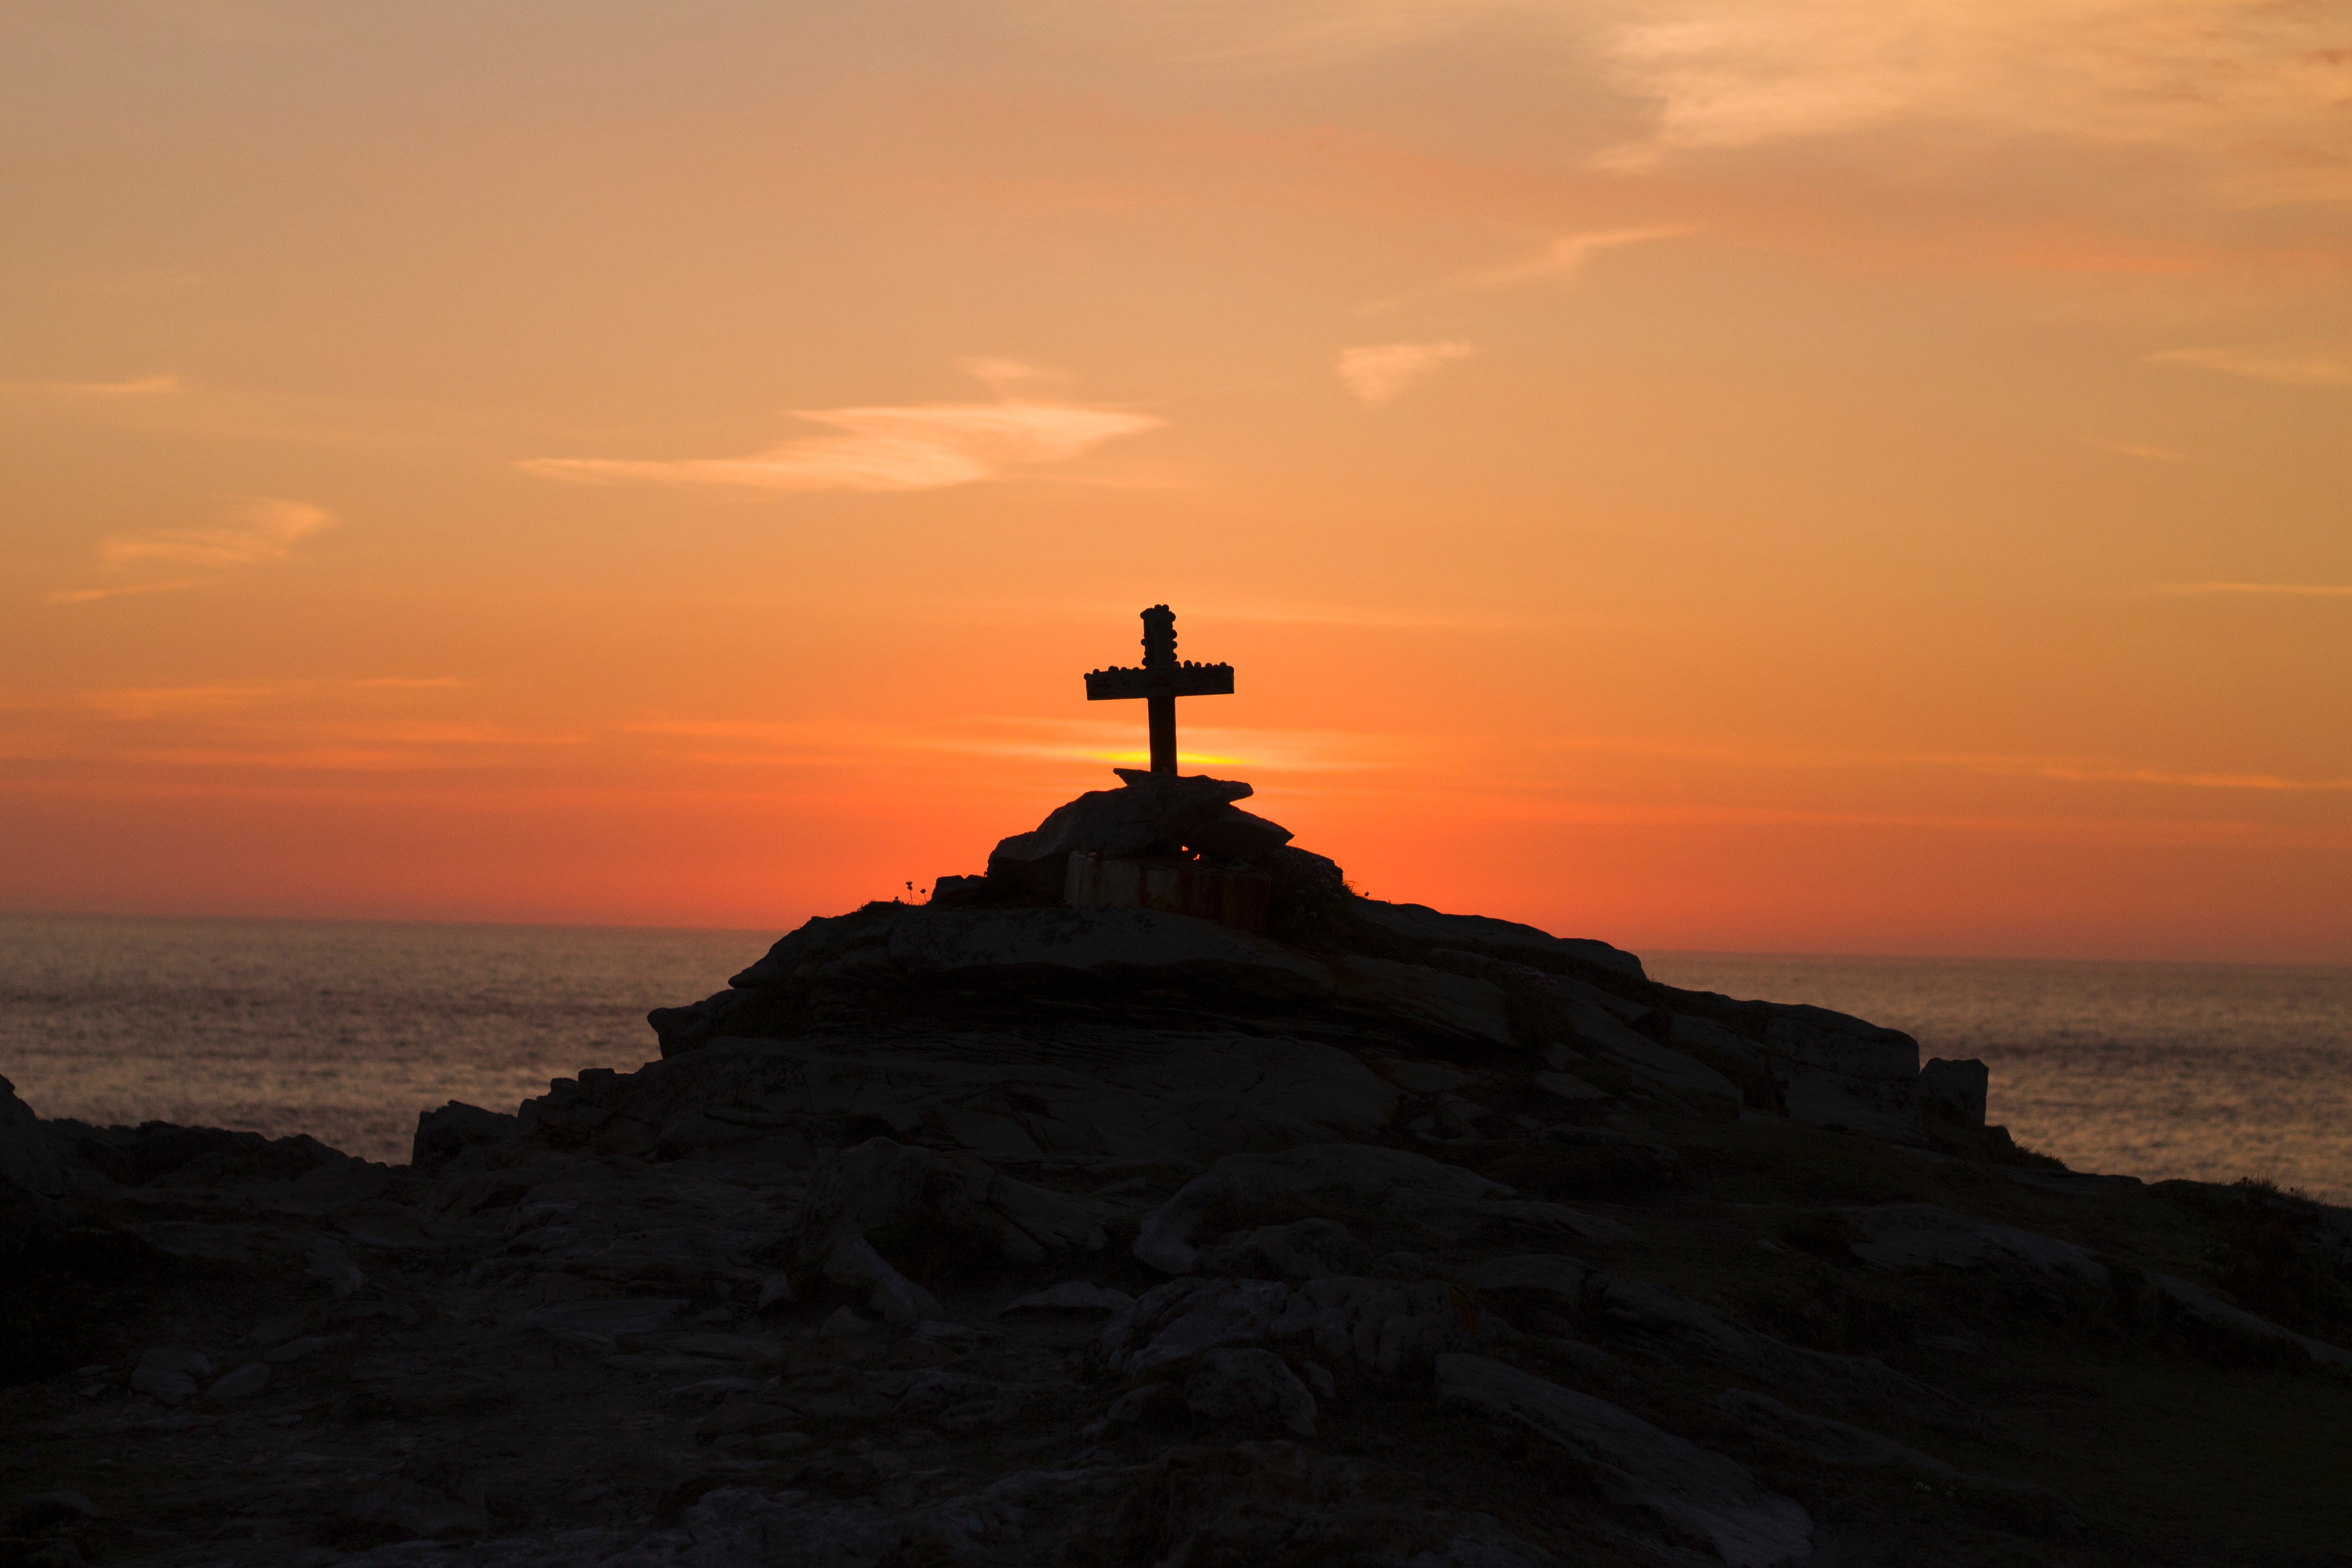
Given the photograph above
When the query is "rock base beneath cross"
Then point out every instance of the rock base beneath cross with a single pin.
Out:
(998, 1231)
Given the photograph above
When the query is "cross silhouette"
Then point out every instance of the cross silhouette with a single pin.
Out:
(1160, 682)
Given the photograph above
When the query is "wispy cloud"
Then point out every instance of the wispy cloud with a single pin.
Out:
(2294, 369)
(91, 595)
(1558, 262)
(254, 530)
(137, 386)
(365, 724)
(1001, 376)
(924, 447)
(2296, 590)
(2247, 97)
(258, 530)
(131, 388)
(2144, 452)
(1379, 373)
(143, 702)
(2068, 769)
(140, 702)
(1367, 615)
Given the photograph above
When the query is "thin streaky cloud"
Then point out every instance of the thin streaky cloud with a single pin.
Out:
(255, 530)
(259, 528)
(2144, 452)
(2248, 98)
(131, 388)
(2297, 370)
(2291, 590)
(91, 595)
(137, 386)
(138, 702)
(998, 374)
(1369, 616)
(1380, 373)
(2066, 770)
(1559, 261)
(883, 449)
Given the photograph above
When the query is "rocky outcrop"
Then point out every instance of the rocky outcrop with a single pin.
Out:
(1442, 1199)
(994, 1232)
(1701, 1494)
(1089, 1097)
(1149, 814)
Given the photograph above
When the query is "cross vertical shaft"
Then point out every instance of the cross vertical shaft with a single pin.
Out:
(1160, 682)
(1159, 708)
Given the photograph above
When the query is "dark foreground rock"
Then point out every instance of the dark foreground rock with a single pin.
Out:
(1007, 1234)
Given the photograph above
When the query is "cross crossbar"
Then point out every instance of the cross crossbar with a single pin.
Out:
(1160, 682)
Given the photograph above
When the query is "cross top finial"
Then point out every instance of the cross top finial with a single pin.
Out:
(1158, 637)
(1160, 681)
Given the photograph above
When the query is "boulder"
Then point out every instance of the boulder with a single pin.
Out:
(1134, 946)
(825, 947)
(1699, 1493)
(1600, 1032)
(1306, 1249)
(853, 1265)
(1840, 1072)
(1233, 834)
(1380, 1326)
(327, 1260)
(242, 1383)
(194, 1238)
(1817, 1437)
(25, 1155)
(1444, 1198)
(1425, 999)
(1419, 926)
(1957, 1087)
(1677, 1327)
(1278, 1502)
(2201, 1307)
(1149, 814)
(1548, 1272)
(607, 1318)
(898, 945)
(1924, 1235)
(880, 1183)
(169, 1372)
(442, 1135)
(696, 1024)
(1069, 1296)
(1244, 1385)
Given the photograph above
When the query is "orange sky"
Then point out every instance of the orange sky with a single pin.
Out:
(1789, 475)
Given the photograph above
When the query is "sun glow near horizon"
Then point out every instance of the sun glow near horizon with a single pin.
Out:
(1791, 475)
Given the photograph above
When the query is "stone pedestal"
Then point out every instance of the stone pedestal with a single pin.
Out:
(1234, 897)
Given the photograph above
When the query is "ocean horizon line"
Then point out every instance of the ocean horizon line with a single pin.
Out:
(1748, 954)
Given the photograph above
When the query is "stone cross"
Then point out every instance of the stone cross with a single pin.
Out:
(1160, 682)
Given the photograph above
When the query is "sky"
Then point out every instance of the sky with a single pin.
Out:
(1840, 475)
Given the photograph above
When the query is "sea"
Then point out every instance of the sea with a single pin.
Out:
(347, 1029)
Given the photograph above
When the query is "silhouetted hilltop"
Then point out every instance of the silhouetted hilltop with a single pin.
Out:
(1153, 1198)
